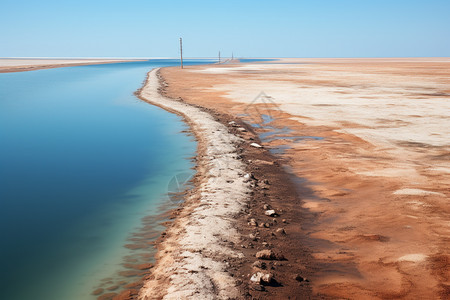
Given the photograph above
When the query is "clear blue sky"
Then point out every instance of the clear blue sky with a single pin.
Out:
(146, 28)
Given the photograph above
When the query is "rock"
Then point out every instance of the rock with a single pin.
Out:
(130, 273)
(262, 278)
(284, 220)
(269, 255)
(97, 292)
(253, 222)
(127, 295)
(266, 207)
(299, 278)
(263, 186)
(241, 129)
(256, 278)
(113, 288)
(267, 278)
(281, 231)
(137, 285)
(256, 145)
(259, 264)
(108, 296)
(266, 181)
(144, 266)
(267, 225)
(252, 237)
(270, 213)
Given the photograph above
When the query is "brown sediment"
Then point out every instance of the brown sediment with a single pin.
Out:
(38, 64)
(371, 222)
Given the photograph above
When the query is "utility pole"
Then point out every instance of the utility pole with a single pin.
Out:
(181, 52)
(219, 57)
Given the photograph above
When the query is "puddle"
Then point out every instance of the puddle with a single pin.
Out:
(279, 150)
(273, 133)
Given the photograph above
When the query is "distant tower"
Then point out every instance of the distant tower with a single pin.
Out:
(232, 55)
(219, 57)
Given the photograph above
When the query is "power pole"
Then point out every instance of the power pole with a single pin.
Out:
(181, 52)
(219, 57)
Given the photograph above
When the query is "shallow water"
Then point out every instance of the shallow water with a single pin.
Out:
(82, 160)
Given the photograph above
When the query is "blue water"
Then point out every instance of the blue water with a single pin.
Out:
(82, 160)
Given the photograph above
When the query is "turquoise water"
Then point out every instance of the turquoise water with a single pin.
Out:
(82, 160)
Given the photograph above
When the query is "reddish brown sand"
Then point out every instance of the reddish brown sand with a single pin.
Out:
(374, 192)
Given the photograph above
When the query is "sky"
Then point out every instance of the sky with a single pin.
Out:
(147, 28)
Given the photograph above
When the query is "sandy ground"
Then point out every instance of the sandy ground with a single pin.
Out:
(19, 65)
(368, 140)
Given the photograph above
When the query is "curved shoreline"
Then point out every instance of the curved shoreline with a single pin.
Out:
(192, 257)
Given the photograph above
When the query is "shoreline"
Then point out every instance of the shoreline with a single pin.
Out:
(191, 245)
(35, 64)
(210, 250)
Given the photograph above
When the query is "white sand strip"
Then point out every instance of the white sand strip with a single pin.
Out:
(192, 260)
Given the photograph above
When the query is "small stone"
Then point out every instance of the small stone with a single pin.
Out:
(259, 264)
(299, 278)
(144, 266)
(284, 220)
(267, 225)
(256, 278)
(267, 278)
(108, 296)
(253, 222)
(266, 207)
(256, 145)
(262, 278)
(252, 237)
(281, 231)
(241, 129)
(270, 213)
(269, 255)
(97, 292)
(127, 294)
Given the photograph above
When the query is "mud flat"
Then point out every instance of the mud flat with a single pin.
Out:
(367, 140)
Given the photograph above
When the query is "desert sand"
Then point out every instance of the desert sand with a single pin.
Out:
(29, 64)
(366, 142)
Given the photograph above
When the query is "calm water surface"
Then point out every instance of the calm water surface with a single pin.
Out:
(82, 160)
